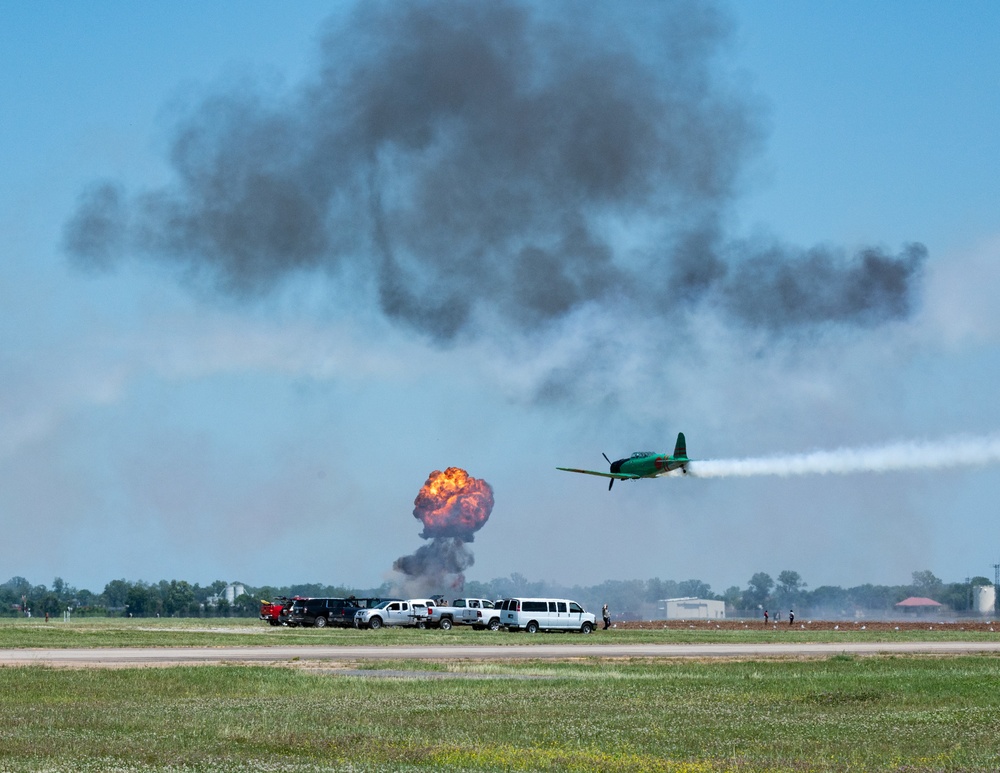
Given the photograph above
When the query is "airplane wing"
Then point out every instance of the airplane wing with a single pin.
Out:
(616, 475)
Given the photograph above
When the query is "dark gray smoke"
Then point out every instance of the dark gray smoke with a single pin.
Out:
(438, 565)
(489, 158)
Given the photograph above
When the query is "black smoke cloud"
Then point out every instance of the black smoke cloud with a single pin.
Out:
(482, 161)
(439, 564)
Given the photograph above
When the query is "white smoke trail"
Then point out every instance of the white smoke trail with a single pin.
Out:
(912, 455)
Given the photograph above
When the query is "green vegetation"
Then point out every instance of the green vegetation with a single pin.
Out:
(196, 632)
(840, 714)
(628, 599)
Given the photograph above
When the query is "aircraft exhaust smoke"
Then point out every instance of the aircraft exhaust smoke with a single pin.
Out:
(960, 451)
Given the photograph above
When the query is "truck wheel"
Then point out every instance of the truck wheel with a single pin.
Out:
(494, 624)
(375, 622)
(320, 621)
(586, 628)
(445, 624)
(531, 627)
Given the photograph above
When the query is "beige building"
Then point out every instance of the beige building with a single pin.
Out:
(691, 608)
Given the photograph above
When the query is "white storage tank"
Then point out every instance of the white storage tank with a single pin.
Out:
(984, 599)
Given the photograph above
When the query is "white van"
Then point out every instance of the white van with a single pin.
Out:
(533, 615)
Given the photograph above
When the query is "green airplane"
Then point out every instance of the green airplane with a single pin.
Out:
(642, 464)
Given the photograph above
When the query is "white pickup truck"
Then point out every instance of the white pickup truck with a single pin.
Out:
(479, 613)
(411, 612)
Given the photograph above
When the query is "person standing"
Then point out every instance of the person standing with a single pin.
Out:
(607, 617)
(765, 617)
(791, 616)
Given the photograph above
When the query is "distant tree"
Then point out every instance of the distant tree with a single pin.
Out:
(957, 595)
(789, 583)
(657, 589)
(624, 597)
(49, 604)
(733, 597)
(925, 583)
(142, 600)
(695, 588)
(116, 593)
(789, 591)
(758, 591)
(829, 600)
(478, 590)
(246, 605)
(177, 598)
(518, 583)
(875, 597)
(18, 586)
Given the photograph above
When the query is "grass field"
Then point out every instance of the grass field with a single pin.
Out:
(152, 632)
(838, 714)
(903, 714)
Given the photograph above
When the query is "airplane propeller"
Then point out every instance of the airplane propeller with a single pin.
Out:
(612, 481)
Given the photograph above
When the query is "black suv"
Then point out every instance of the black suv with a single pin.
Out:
(309, 612)
(323, 612)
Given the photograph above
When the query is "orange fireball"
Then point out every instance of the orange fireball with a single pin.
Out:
(453, 504)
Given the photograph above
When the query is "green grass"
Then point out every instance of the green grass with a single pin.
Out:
(146, 632)
(911, 715)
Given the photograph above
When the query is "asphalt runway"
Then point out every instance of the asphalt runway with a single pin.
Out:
(110, 657)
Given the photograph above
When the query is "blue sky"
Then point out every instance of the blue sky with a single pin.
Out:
(152, 426)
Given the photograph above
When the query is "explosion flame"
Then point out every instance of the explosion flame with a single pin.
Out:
(453, 506)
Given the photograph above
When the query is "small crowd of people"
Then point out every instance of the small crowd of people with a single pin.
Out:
(777, 616)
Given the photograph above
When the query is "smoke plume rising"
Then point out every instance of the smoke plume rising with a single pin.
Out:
(912, 455)
(453, 506)
(477, 165)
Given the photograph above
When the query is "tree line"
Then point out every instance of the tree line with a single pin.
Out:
(628, 599)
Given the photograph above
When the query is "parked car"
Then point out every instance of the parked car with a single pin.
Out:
(395, 612)
(538, 614)
(479, 613)
(321, 612)
(343, 614)
(276, 612)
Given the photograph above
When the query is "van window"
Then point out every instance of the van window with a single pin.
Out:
(575, 608)
(562, 606)
(534, 606)
(552, 606)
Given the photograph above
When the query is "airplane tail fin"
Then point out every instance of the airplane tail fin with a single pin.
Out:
(680, 450)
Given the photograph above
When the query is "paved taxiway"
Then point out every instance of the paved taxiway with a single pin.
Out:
(126, 656)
